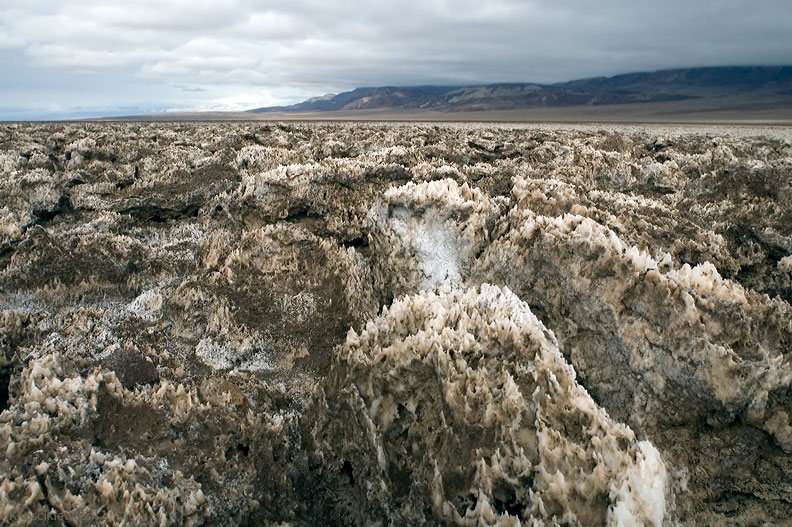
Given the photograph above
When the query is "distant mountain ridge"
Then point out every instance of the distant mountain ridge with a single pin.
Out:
(641, 87)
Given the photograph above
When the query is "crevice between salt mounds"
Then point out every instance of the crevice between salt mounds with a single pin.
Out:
(429, 234)
(458, 406)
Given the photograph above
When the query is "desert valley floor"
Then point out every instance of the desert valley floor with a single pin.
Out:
(395, 324)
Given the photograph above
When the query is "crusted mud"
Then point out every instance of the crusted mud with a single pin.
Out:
(395, 324)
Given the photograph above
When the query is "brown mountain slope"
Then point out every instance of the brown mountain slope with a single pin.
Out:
(768, 85)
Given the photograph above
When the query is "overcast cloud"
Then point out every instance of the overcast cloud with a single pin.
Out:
(108, 57)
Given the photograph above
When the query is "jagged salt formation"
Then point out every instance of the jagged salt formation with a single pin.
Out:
(235, 324)
(603, 294)
(459, 406)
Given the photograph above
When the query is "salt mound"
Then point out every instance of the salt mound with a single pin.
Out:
(459, 406)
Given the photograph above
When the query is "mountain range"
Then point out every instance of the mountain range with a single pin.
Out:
(768, 86)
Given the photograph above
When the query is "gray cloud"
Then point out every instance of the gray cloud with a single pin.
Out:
(191, 88)
(65, 55)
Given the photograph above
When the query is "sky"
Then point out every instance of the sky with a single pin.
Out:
(85, 58)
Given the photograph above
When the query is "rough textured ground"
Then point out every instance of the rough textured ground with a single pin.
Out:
(253, 324)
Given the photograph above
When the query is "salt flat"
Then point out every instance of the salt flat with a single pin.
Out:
(395, 323)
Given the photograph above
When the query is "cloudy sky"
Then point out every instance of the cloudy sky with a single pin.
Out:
(71, 58)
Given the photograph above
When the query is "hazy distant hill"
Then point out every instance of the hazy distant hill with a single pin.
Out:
(767, 82)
